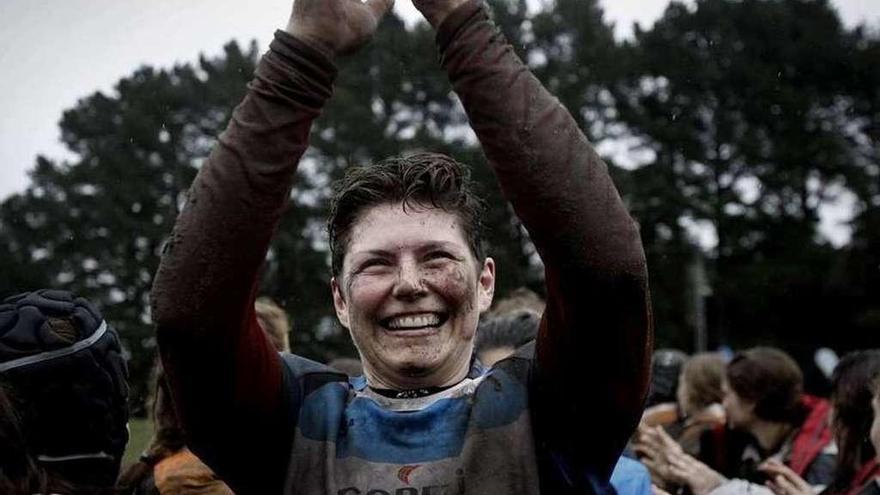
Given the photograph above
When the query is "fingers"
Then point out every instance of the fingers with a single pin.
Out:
(655, 468)
(785, 486)
(651, 437)
(776, 489)
(679, 469)
(776, 470)
(667, 440)
(379, 7)
(681, 458)
(681, 472)
(641, 450)
(771, 465)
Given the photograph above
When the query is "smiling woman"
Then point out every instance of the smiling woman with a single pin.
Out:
(409, 282)
(411, 292)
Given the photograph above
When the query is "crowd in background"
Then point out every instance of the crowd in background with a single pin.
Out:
(714, 423)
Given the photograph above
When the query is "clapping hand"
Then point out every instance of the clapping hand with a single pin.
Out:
(669, 464)
(336, 27)
(783, 481)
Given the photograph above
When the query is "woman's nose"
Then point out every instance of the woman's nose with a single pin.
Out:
(409, 283)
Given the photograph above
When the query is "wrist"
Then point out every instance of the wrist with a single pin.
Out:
(316, 42)
(435, 12)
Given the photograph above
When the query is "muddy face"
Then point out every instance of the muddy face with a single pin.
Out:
(410, 292)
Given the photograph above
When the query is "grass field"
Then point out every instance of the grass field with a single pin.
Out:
(140, 432)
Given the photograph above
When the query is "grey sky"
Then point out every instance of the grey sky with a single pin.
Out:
(54, 52)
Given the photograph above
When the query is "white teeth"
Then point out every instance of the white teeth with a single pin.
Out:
(414, 321)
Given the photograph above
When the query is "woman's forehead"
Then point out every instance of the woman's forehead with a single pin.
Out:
(391, 227)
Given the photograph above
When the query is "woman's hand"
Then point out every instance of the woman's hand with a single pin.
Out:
(653, 447)
(668, 463)
(686, 470)
(783, 481)
(336, 27)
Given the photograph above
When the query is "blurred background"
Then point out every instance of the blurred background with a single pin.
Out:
(744, 136)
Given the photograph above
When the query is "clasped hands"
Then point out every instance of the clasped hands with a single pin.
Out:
(670, 465)
(341, 27)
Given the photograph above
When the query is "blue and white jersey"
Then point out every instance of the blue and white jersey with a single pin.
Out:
(475, 437)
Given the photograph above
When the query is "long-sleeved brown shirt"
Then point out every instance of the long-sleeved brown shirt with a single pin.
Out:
(248, 413)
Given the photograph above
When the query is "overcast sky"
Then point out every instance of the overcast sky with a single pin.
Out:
(53, 53)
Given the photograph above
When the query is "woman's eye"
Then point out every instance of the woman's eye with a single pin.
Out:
(373, 263)
(439, 255)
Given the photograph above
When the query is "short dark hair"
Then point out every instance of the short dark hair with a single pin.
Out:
(771, 379)
(421, 179)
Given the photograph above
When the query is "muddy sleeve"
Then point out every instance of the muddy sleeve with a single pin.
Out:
(226, 377)
(593, 349)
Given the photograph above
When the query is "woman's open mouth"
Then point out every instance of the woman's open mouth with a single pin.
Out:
(415, 321)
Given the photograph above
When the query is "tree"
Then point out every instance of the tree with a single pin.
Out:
(96, 225)
(745, 107)
(751, 114)
(858, 281)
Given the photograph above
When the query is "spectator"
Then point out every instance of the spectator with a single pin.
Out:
(851, 395)
(662, 407)
(275, 322)
(63, 396)
(666, 367)
(500, 336)
(697, 420)
(518, 299)
(167, 467)
(699, 399)
(762, 395)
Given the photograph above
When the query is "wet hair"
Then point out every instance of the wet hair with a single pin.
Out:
(274, 321)
(419, 180)
(665, 369)
(852, 389)
(512, 330)
(770, 379)
(703, 374)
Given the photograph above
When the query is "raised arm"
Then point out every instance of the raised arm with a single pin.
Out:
(594, 344)
(226, 378)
